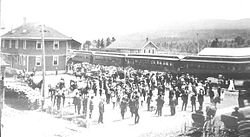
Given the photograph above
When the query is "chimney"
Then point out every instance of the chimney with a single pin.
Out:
(147, 39)
(24, 21)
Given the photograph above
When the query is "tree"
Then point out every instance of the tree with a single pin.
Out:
(113, 39)
(239, 40)
(87, 44)
(102, 45)
(108, 41)
(215, 43)
(98, 44)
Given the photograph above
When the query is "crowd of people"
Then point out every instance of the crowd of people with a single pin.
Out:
(130, 89)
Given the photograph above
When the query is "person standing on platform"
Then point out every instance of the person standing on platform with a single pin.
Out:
(173, 104)
(137, 104)
(148, 102)
(159, 105)
(193, 101)
(91, 106)
(201, 97)
(123, 107)
(184, 99)
(101, 111)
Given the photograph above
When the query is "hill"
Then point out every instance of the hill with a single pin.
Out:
(207, 29)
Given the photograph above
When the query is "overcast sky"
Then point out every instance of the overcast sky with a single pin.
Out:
(92, 19)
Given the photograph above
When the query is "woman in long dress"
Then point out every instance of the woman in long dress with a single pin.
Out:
(231, 85)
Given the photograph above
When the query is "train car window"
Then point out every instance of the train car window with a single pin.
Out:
(170, 64)
(247, 67)
(233, 68)
(199, 66)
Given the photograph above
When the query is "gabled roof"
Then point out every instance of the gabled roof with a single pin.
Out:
(225, 52)
(131, 44)
(33, 31)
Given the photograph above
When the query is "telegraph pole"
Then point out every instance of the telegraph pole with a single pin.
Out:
(44, 68)
(198, 46)
(1, 78)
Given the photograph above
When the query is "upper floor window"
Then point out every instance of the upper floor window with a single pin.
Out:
(13, 44)
(38, 60)
(3, 43)
(24, 44)
(56, 45)
(9, 43)
(38, 45)
(55, 60)
(16, 44)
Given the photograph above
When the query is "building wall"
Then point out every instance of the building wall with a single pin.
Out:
(31, 47)
(48, 62)
(21, 58)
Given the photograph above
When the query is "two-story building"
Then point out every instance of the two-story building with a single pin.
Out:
(133, 46)
(22, 48)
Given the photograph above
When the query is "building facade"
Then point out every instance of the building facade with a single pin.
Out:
(22, 48)
(133, 47)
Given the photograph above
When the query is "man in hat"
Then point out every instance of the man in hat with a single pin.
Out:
(238, 114)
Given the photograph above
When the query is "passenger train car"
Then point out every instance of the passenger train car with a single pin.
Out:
(83, 56)
(233, 67)
(203, 66)
(109, 58)
(153, 62)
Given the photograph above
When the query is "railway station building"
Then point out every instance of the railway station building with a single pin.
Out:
(22, 48)
(133, 46)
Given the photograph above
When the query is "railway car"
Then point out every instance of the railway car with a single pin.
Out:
(82, 56)
(109, 58)
(232, 67)
(154, 62)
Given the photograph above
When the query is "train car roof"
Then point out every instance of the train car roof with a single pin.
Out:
(154, 58)
(217, 59)
(83, 51)
(110, 53)
(155, 55)
(226, 52)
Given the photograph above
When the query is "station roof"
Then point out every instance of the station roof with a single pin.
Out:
(131, 44)
(33, 31)
(236, 52)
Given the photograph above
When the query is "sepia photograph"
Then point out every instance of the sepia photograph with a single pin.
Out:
(124, 68)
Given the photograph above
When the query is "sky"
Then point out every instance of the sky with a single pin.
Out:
(93, 19)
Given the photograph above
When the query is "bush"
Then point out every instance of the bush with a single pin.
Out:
(21, 98)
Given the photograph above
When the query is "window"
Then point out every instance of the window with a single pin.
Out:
(38, 60)
(20, 59)
(13, 44)
(55, 60)
(3, 43)
(24, 60)
(16, 44)
(24, 44)
(38, 45)
(56, 45)
(9, 43)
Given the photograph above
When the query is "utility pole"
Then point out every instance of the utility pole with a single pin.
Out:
(1, 78)
(198, 46)
(44, 67)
